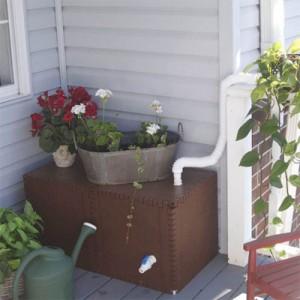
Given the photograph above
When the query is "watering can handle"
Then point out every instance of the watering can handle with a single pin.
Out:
(27, 259)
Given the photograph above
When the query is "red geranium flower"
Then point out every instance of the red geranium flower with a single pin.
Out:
(56, 102)
(68, 116)
(91, 109)
(79, 94)
(37, 123)
(36, 117)
(42, 101)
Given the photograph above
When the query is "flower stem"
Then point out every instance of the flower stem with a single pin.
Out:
(103, 111)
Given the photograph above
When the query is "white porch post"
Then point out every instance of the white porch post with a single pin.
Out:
(239, 178)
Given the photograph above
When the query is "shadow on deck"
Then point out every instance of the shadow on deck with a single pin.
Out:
(218, 280)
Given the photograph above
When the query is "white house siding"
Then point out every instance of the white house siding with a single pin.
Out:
(18, 150)
(142, 50)
(292, 20)
(249, 31)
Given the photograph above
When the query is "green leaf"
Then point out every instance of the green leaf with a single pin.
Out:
(269, 127)
(278, 168)
(286, 203)
(260, 206)
(14, 263)
(34, 244)
(295, 180)
(11, 226)
(23, 235)
(249, 159)
(279, 139)
(277, 46)
(101, 140)
(294, 47)
(56, 120)
(283, 96)
(3, 228)
(282, 253)
(276, 181)
(258, 93)
(290, 148)
(245, 129)
(277, 221)
(47, 133)
(28, 210)
(49, 145)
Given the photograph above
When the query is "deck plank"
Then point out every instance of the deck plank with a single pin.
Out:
(139, 293)
(200, 281)
(113, 290)
(78, 273)
(223, 285)
(217, 281)
(88, 283)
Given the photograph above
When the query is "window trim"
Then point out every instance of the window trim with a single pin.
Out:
(20, 53)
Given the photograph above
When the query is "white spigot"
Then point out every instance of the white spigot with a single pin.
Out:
(147, 262)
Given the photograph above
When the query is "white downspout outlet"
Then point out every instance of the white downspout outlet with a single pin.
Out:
(213, 158)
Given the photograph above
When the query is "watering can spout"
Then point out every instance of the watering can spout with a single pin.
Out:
(86, 230)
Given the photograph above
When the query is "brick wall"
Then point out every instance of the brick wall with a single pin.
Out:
(260, 182)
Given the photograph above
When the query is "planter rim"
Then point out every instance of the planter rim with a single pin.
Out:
(132, 150)
(120, 152)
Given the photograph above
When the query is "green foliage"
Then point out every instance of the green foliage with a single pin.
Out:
(54, 133)
(295, 180)
(98, 136)
(276, 221)
(18, 236)
(249, 159)
(146, 140)
(261, 206)
(245, 129)
(286, 203)
(277, 86)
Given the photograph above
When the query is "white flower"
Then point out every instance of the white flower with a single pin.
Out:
(152, 128)
(156, 106)
(103, 94)
(78, 109)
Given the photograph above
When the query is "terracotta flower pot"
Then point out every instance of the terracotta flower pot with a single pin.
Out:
(120, 167)
(63, 157)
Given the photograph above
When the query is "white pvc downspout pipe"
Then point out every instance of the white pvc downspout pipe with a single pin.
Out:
(213, 158)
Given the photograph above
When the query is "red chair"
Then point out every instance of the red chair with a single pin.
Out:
(281, 279)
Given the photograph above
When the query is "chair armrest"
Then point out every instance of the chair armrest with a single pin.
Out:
(272, 240)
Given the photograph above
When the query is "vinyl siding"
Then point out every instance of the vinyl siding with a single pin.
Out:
(19, 152)
(292, 20)
(250, 31)
(143, 50)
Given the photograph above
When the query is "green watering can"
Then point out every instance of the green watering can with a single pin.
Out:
(48, 272)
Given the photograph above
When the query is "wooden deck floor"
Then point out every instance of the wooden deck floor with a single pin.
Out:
(217, 281)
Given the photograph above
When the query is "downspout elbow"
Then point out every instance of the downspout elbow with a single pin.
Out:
(201, 162)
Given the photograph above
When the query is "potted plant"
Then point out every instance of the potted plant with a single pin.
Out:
(278, 89)
(109, 155)
(55, 124)
(18, 235)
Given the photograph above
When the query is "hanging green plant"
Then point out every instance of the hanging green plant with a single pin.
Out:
(277, 94)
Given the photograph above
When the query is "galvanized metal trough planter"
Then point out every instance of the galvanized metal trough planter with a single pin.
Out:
(120, 167)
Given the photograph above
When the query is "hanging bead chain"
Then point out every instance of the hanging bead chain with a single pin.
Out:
(137, 186)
